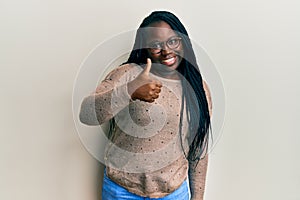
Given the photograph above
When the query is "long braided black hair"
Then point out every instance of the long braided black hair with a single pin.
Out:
(197, 108)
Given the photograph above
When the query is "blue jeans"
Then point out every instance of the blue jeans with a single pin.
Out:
(113, 191)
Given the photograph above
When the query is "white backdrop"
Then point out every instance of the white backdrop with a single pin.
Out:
(254, 44)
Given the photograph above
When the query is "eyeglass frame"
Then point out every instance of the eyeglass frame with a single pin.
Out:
(164, 44)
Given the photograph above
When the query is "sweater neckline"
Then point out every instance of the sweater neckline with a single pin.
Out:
(166, 79)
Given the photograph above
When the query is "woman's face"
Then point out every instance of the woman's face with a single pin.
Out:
(161, 35)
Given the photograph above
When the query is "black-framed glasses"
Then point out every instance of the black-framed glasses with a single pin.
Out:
(157, 47)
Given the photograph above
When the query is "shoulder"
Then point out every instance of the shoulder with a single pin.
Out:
(208, 95)
(206, 87)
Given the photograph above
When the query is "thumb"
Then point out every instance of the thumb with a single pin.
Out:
(147, 67)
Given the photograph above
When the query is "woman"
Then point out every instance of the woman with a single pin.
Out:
(159, 111)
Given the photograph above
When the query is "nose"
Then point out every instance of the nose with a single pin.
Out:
(166, 50)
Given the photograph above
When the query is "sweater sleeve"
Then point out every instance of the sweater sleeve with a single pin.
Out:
(197, 172)
(197, 178)
(108, 99)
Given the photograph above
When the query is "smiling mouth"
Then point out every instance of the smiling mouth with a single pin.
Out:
(169, 61)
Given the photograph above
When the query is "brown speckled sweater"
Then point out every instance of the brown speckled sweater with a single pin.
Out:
(145, 154)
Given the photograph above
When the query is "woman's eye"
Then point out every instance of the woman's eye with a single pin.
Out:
(155, 46)
(172, 41)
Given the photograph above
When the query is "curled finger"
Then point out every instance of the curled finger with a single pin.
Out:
(157, 90)
(155, 96)
(158, 83)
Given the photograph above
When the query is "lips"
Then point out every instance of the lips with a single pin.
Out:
(168, 61)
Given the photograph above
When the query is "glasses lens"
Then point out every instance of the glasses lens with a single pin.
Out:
(155, 47)
(173, 43)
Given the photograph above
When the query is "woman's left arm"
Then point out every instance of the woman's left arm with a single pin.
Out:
(197, 178)
(197, 173)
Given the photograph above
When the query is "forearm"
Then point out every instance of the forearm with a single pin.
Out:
(103, 105)
(93, 110)
(197, 178)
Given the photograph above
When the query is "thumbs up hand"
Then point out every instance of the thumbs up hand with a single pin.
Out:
(143, 87)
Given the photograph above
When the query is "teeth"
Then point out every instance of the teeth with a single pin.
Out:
(168, 60)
